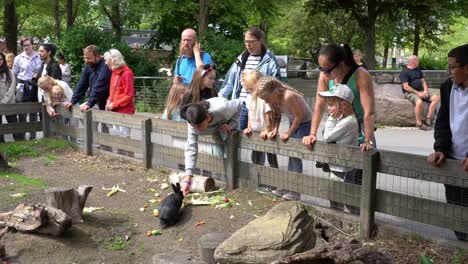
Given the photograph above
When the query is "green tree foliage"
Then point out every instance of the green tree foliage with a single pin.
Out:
(222, 49)
(77, 38)
(300, 33)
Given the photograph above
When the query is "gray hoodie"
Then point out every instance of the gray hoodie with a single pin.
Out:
(223, 112)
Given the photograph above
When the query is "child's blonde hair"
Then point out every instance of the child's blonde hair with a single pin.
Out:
(45, 80)
(59, 88)
(251, 79)
(174, 98)
(267, 85)
(195, 85)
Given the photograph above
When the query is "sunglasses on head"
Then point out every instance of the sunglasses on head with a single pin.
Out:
(207, 68)
(327, 70)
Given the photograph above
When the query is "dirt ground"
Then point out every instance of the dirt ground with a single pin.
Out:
(102, 238)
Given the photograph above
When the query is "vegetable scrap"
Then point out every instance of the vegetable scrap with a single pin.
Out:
(115, 189)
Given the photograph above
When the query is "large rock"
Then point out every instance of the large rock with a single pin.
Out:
(285, 230)
(392, 108)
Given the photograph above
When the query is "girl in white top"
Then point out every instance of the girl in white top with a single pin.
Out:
(260, 117)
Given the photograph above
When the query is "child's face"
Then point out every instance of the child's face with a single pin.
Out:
(208, 80)
(247, 83)
(56, 94)
(333, 107)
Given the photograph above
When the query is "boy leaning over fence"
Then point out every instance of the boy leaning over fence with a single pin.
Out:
(341, 128)
(451, 127)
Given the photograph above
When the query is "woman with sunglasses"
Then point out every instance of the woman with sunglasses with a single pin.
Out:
(256, 57)
(337, 65)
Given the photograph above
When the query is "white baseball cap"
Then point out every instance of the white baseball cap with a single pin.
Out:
(341, 91)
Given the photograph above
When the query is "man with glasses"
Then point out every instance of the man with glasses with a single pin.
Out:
(451, 127)
(25, 67)
(95, 77)
(190, 57)
(415, 89)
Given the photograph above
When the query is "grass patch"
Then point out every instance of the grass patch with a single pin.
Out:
(32, 148)
(116, 243)
(23, 180)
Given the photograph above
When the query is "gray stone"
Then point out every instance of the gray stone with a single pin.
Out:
(387, 78)
(174, 258)
(285, 230)
(207, 245)
(392, 108)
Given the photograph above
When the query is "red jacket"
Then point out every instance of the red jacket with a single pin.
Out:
(122, 92)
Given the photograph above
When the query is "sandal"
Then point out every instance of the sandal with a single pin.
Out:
(428, 121)
(423, 127)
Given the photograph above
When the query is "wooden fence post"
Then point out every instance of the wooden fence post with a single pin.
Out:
(368, 190)
(147, 146)
(46, 131)
(231, 166)
(88, 132)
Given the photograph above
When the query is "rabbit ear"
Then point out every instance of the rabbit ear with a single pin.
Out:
(176, 187)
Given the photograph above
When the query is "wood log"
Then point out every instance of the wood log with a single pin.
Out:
(58, 222)
(69, 200)
(4, 231)
(36, 218)
(25, 217)
(345, 252)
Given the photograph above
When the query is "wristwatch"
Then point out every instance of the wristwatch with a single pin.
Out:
(369, 142)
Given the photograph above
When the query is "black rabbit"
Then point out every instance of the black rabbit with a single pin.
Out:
(169, 209)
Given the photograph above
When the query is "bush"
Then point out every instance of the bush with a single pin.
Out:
(429, 62)
(223, 50)
(74, 40)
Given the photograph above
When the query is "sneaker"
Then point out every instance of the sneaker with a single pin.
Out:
(292, 196)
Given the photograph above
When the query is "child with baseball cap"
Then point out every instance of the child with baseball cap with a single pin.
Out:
(341, 128)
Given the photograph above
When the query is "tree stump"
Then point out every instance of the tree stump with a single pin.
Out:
(343, 252)
(207, 245)
(57, 222)
(69, 200)
(3, 162)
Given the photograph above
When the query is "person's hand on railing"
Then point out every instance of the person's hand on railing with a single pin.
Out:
(284, 136)
(464, 164)
(248, 131)
(68, 105)
(309, 140)
(436, 158)
(272, 134)
(264, 134)
(366, 146)
(84, 107)
(226, 128)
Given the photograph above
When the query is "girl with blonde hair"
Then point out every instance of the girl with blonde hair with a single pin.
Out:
(46, 83)
(260, 117)
(174, 102)
(289, 101)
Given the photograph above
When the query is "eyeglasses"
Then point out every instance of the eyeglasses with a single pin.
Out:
(450, 67)
(250, 42)
(327, 70)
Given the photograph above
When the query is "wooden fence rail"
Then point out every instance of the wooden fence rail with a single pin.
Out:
(155, 141)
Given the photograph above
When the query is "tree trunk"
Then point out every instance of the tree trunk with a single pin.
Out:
(264, 27)
(10, 25)
(57, 18)
(385, 56)
(116, 20)
(69, 200)
(370, 34)
(72, 12)
(203, 17)
(417, 38)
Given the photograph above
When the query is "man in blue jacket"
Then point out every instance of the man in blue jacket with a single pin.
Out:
(95, 77)
(256, 57)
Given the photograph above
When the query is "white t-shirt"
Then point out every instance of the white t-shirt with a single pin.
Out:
(257, 116)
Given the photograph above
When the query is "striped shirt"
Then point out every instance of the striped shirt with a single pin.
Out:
(250, 65)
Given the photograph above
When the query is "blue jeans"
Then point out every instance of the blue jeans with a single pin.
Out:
(244, 118)
(295, 164)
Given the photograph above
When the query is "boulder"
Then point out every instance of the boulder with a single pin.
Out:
(284, 230)
(392, 108)
(387, 78)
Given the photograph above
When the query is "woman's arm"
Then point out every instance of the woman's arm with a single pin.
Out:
(319, 109)
(366, 92)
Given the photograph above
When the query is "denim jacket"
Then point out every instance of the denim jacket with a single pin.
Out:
(268, 66)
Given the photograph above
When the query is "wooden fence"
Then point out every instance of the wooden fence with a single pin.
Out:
(152, 140)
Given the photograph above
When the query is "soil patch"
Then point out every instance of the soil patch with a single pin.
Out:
(117, 234)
